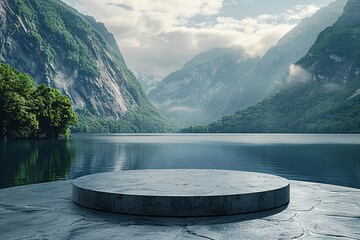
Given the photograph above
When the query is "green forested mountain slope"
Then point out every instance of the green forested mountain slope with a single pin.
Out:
(270, 72)
(335, 56)
(63, 49)
(322, 95)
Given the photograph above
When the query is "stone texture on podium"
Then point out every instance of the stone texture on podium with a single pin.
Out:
(181, 192)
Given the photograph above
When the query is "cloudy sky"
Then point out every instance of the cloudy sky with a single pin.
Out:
(158, 36)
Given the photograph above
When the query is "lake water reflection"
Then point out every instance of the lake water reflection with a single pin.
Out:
(333, 159)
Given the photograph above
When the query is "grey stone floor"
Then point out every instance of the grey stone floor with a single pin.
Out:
(45, 211)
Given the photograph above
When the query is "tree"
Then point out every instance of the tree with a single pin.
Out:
(16, 116)
(28, 111)
(54, 112)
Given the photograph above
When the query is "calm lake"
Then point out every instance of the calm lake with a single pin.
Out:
(333, 159)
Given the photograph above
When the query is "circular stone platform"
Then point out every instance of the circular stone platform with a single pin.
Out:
(181, 192)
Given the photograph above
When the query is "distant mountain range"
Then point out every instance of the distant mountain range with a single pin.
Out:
(64, 49)
(321, 93)
(221, 81)
(199, 91)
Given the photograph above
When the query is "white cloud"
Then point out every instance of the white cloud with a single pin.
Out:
(300, 12)
(298, 74)
(158, 36)
(255, 35)
(183, 109)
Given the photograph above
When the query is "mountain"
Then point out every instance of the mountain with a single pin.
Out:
(198, 92)
(270, 72)
(66, 50)
(147, 81)
(322, 93)
(201, 93)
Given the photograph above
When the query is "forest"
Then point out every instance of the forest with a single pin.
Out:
(30, 111)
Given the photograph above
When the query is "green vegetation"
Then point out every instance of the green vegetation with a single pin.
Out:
(30, 111)
(54, 112)
(141, 121)
(334, 47)
(301, 108)
(335, 54)
(70, 32)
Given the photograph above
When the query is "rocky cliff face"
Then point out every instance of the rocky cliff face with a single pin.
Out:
(66, 50)
(198, 92)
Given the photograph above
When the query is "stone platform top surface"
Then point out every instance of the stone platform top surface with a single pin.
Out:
(181, 182)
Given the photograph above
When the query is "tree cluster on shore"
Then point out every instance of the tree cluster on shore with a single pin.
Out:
(30, 111)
